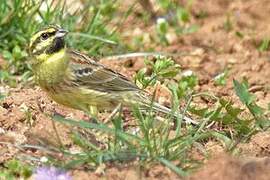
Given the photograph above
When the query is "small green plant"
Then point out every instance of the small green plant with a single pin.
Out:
(233, 123)
(162, 29)
(183, 15)
(227, 115)
(264, 45)
(220, 79)
(239, 34)
(228, 25)
(248, 100)
(178, 16)
(202, 14)
(162, 68)
(15, 169)
(186, 84)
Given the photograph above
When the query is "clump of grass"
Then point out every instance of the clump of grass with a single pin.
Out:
(179, 16)
(14, 169)
(259, 114)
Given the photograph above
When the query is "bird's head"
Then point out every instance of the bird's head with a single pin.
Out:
(47, 41)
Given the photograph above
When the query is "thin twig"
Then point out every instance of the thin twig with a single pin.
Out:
(23, 147)
(147, 54)
(57, 134)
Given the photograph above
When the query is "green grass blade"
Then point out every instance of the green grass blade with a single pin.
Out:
(101, 127)
(174, 168)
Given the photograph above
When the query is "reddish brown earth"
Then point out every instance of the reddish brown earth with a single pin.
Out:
(211, 50)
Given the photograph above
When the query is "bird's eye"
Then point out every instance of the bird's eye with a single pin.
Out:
(44, 36)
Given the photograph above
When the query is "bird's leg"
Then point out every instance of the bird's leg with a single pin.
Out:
(55, 113)
(114, 112)
(93, 111)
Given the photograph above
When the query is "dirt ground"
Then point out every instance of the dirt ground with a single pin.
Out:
(216, 49)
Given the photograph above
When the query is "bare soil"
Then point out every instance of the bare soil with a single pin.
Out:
(212, 49)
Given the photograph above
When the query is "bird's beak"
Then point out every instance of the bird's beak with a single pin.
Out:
(61, 33)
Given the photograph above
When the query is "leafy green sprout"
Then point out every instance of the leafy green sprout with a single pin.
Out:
(220, 79)
(228, 24)
(264, 45)
(239, 34)
(187, 83)
(183, 15)
(162, 30)
(249, 100)
(162, 68)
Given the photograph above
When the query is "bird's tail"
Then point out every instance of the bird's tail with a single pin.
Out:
(144, 100)
(160, 108)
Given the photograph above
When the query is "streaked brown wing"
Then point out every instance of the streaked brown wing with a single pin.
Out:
(96, 76)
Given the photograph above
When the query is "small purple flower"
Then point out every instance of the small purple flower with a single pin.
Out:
(51, 173)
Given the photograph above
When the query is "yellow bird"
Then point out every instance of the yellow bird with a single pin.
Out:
(78, 81)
